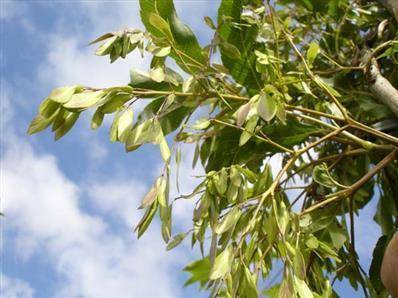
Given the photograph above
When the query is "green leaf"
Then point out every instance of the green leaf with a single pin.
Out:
(38, 124)
(281, 112)
(209, 22)
(234, 175)
(170, 121)
(262, 58)
(161, 52)
(169, 101)
(266, 107)
(302, 288)
(150, 197)
(126, 46)
(158, 22)
(299, 265)
(327, 85)
(200, 271)
(146, 219)
(196, 155)
(307, 4)
(113, 129)
(249, 130)
(243, 70)
(143, 80)
(321, 175)
(149, 131)
(201, 124)
(48, 108)
(337, 235)
(242, 113)
(221, 181)
(102, 37)
(97, 119)
(84, 100)
(250, 286)
(312, 52)
(157, 74)
(165, 150)
(70, 120)
(63, 94)
(222, 264)
(157, 16)
(229, 50)
(116, 51)
(59, 119)
(292, 133)
(264, 181)
(113, 101)
(177, 239)
(124, 124)
(229, 221)
(282, 215)
(107, 47)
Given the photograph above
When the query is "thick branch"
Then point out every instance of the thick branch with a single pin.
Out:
(382, 88)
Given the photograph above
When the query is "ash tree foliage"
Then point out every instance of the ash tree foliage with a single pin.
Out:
(310, 82)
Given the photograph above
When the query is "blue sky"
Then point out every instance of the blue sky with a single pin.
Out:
(71, 205)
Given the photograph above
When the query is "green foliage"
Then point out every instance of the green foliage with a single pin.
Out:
(293, 86)
(236, 44)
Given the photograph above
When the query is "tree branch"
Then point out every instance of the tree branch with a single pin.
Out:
(354, 187)
(382, 88)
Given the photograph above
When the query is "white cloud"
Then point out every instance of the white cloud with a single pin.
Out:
(118, 197)
(70, 62)
(14, 288)
(43, 210)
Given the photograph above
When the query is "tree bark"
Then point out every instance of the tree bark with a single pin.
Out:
(389, 267)
(382, 88)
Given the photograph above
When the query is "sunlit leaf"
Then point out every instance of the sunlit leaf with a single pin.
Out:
(249, 130)
(157, 74)
(176, 240)
(229, 221)
(222, 264)
(312, 52)
(68, 123)
(266, 107)
(150, 197)
(63, 94)
(302, 288)
(97, 119)
(101, 38)
(84, 99)
(321, 175)
(38, 124)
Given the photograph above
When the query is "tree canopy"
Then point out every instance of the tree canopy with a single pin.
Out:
(311, 82)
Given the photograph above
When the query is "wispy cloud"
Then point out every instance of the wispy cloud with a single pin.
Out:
(14, 288)
(44, 215)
